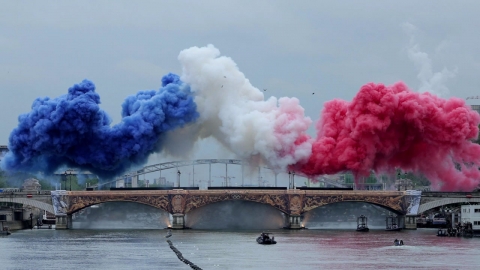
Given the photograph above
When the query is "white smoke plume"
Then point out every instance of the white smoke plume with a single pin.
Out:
(271, 131)
(433, 82)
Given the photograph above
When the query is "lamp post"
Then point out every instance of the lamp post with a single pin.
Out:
(31, 221)
(293, 179)
(178, 178)
(68, 174)
(289, 179)
(64, 180)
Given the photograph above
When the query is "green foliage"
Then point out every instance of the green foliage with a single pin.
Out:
(72, 183)
(372, 179)
(91, 181)
(416, 178)
(3, 182)
(46, 185)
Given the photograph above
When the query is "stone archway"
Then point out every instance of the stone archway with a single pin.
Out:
(278, 201)
(81, 200)
(34, 203)
(437, 203)
(394, 201)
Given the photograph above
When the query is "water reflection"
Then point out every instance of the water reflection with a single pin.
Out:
(300, 250)
(120, 215)
(235, 215)
(343, 215)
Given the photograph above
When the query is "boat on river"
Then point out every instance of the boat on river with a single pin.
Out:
(362, 224)
(397, 242)
(392, 224)
(266, 239)
(5, 231)
(442, 232)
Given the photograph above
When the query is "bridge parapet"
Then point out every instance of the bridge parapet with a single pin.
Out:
(431, 200)
(184, 201)
(293, 203)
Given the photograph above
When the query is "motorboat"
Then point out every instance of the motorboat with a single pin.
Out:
(392, 224)
(362, 224)
(442, 232)
(5, 231)
(266, 239)
(40, 225)
(397, 242)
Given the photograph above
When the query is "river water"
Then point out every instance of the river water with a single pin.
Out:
(304, 249)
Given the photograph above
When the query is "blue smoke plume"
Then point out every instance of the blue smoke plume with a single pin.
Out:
(73, 131)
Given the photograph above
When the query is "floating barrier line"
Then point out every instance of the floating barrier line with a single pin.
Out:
(181, 258)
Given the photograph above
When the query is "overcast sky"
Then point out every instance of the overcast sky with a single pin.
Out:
(291, 48)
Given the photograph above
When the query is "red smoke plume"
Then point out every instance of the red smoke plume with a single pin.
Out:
(388, 127)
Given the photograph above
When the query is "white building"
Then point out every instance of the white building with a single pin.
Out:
(471, 213)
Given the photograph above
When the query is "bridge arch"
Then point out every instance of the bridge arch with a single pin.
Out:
(434, 204)
(82, 201)
(188, 210)
(26, 201)
(395, 201)
(236, 214)
(389, 208)
(126, 201)
(277, 200)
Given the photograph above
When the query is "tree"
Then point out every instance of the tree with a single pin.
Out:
(3, 181)
(46, 185)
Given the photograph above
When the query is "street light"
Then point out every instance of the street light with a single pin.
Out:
(293, 179)
(289, 179)
(64, 180)
(178, 179)
(68, 174)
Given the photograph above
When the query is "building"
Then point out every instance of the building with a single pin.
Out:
(31, 185)
(476, 108)
(471, 213)
(162, 182)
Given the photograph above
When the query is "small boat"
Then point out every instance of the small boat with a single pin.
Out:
(266, 239)
(397, 242)
(5, 231)
(362, 224)
(392, 224)
(442, 232)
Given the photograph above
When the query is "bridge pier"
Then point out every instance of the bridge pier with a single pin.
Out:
(293, 222)
(63, 222)
(178, 222)
(410, 222)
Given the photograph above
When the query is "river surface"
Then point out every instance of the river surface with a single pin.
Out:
(304, 249)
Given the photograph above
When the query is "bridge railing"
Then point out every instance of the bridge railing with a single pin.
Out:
(22, 193)
(376, 186)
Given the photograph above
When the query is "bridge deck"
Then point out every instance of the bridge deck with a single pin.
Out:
(235, 191)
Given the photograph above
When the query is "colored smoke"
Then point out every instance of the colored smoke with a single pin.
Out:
(73, 131)
(383, 129)
(388, 127)
(234, 112)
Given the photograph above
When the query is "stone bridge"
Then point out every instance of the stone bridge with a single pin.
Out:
(40, 201)
(293, 203)
(432, 199)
